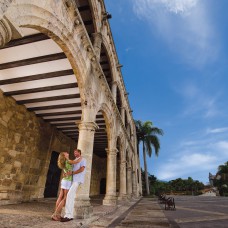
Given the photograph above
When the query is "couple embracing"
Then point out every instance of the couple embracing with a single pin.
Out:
(74, 173)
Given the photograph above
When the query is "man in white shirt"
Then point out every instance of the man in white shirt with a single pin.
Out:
(78, 173)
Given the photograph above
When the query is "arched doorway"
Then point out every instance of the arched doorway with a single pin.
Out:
(53, 177)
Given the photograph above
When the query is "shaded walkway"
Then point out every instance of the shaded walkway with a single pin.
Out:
(38, 214)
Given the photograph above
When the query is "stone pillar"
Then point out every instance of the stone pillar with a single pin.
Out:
(114, 91)
(5, 32)
(97, 44)
(123, 114)
(129, 182)
(123, 181)
(83, 208)
(110, 197)
(134, 184)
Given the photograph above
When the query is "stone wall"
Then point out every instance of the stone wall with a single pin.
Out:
(26, 143)
(99, 167)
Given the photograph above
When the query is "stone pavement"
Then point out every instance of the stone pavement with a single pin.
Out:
(38, 214)
(197, 211)
(137, 213)
(142, 214)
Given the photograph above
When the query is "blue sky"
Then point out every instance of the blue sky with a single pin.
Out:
(175, 64)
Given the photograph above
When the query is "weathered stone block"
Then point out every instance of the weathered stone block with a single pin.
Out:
(17, 137)
(2, 160)
(6, 168)
(12, 153)
(6, 182)
(17, 164)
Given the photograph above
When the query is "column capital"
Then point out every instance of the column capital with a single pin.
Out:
(123, 164)
(112, 151)
(5, 32)
(92, 126)
(114, 82)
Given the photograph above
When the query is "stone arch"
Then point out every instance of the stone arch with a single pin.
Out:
(53, 26)
(48, 23)
(107, 64)
(109, 120)
(119, 99)
(97, 10)
(101, 143)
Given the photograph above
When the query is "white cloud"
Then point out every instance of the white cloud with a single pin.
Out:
(223, 145)
(186, 165)
(184, 25)
(217, 130)
(196, 156)
(198, 101)
(175, 6)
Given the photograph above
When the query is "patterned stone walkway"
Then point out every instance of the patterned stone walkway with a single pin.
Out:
(143, 214)
(38, 214)
(192, 212)
(197, 211)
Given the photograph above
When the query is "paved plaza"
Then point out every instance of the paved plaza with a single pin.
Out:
(137, 213)
(199, 212)
(191, 212)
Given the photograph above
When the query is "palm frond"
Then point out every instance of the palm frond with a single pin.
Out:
(154, 140)
(158, 131)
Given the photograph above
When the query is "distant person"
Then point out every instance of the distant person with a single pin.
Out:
(78, 173)
(66, 183)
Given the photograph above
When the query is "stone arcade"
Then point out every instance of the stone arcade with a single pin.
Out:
(61, 87)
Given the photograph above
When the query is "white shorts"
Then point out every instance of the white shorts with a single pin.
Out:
(66, 184)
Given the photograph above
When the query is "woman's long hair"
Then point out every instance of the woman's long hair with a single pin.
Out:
(61, 160)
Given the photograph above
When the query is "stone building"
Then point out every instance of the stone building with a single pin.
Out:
(61, 87)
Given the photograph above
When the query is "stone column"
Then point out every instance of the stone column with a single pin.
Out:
(129, 182)
(123, 114)
(110, 197)
(5, 32)
(123, 181)
(83, 208)
(134, 184)
(97, 44)
(114, 91)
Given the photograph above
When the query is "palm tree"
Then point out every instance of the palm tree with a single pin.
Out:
(223, 169)
(147, 134)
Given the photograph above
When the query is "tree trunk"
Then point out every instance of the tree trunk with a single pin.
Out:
(145, 169)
